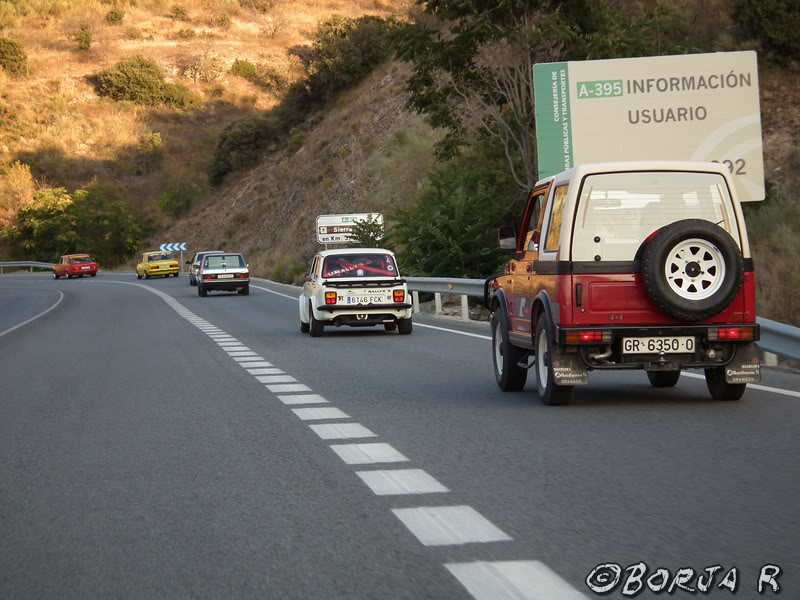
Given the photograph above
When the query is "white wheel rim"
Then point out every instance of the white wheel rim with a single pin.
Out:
(498, 349)
(541, 350)
(695, 269)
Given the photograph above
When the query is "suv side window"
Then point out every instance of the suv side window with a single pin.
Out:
(553, 242)
(535, 222)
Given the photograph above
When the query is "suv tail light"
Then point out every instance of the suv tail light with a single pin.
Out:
(588, 336)
(730, 334)
(399, 295)
(330, 297)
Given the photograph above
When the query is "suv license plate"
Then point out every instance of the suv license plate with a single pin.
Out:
(656, 345)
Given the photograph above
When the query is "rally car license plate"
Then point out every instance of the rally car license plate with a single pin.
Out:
(365, 299)
(656, 345)
(84, 268)
(225, 276)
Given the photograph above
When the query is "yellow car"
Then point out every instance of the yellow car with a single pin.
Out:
(156, 264)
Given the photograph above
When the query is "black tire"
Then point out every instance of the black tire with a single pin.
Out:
(56, 275)
(92, 274)
(721, 389)
(658, 252)
(304, 327)
(245, 291)
(69, 276)
(192, 280)
(509, 375)
(549, 393)
(390, 326)
(664, 379)
(201, 291)
(315, 328)
(405, 326)
(146, 275)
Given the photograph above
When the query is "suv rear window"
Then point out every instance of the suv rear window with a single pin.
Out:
(224, 261)
(618, 211)
(359, 265)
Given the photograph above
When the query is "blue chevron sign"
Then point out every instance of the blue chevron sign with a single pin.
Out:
(174, 247)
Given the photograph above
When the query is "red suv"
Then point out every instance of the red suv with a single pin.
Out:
(634, 265)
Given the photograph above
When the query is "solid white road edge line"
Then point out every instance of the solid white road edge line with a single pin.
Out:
(258, 287)
(41, 314)
(754, 386)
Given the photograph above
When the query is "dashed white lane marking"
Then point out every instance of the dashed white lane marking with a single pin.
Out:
(249, 364)
(221, 337)
(241, 353)
(466, 333)
(752, 386)
(513, 580)
(248, 359)
(288, 388)
(276, 379)
(341, 431)
(449, 525)
(232, 346)
(303, 399)
(33, 318)
(228, 342)
(368, 454)
(258, 287)
(319, 413)
(268, 371)
(395, 482)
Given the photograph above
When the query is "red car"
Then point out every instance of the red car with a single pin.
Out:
(635, 266)
(75, 265)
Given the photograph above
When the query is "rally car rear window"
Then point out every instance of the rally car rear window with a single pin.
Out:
(359, 265)
(618, 211)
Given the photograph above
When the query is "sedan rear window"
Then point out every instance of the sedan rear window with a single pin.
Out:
(224, 261)
(81, 259)
(359, 265)
(157, 257)
(619, 211)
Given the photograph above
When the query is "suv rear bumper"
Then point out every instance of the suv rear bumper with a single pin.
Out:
(708, 352)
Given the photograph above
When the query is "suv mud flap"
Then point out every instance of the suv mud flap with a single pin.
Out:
(568, 369)
(745, 366)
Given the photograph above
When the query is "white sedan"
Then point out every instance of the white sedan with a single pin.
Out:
(357, 287)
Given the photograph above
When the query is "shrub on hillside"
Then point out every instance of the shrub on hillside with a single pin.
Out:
(244, 69)
(221, 21)
(13, 59)
(775, 23)
(115, 16)
(179, 13)
(187, 33)
(140, 80)
(242, 143)
(83, 36)
(345, 51)
(178, 197)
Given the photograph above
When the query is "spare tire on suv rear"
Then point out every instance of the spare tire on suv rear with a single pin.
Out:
(692, 269)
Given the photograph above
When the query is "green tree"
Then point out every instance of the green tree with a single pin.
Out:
(450, 228)
(178, 197)
(83, 36)
(775, 23)
(367, 233)
(140, 80)
(90, 220)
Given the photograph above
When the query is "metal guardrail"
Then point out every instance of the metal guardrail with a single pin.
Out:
(776, 338)
(24, 264)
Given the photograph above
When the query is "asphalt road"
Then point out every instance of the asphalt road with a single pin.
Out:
(141, 457)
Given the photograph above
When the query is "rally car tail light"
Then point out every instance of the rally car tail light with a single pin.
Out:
(588, 336)
(330, 297)
(730, 334)
(399, 295)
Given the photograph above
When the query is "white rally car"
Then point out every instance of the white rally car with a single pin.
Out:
(358, 287)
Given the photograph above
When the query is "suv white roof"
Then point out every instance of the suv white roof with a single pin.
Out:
(580, 171)
(341, 251)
